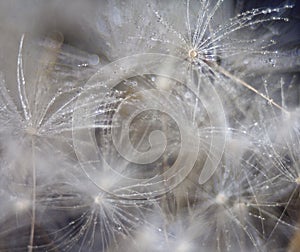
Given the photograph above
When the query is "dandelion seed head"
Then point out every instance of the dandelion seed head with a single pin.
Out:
(193, 54)
(98, 200)
(221, 198)
(184, 246)
(22, 205)
(31, 131)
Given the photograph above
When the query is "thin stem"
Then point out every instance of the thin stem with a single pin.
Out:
(245, 84)
(30, 246)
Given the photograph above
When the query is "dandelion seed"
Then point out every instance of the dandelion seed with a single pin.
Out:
(36, 124)
(239, 211)
(206, 44)
(98, 221)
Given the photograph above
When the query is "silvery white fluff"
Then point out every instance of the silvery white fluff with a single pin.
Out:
(149, 126)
